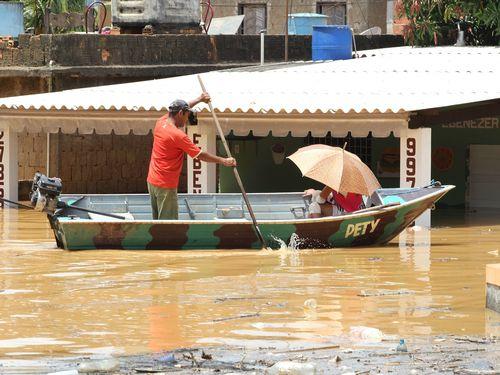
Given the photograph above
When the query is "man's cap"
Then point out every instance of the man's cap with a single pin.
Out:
(178, 105)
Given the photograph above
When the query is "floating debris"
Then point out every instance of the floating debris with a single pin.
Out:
(310, 304)
(446, 259)
(103, 365)
(384, 292)
(206, 355)
(242, 316)
(224, 299)
(291, 368)
(402, 346)
(366, 334)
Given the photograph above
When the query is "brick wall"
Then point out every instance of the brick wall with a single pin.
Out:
(89, 163)
(125, 51)
(104, 163)
(114, 50)
(32, 154)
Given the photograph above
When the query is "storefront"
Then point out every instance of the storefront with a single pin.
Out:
(396, 106)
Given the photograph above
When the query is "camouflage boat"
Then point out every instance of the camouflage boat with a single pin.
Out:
(221, 221)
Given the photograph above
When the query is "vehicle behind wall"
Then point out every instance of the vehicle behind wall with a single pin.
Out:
(164, 16)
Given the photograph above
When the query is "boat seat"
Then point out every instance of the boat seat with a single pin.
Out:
(299, 212)
(374, 200)
(393, 199)
(230, 213)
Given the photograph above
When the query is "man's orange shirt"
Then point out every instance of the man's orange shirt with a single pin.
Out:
(169, 145)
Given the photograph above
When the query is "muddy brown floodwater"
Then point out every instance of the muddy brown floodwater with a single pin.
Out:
(82, 303)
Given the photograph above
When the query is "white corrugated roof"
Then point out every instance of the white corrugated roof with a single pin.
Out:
(389, 80)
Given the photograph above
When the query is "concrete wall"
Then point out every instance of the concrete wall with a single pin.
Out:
(485, 131)
(361, 15)
(14, 86)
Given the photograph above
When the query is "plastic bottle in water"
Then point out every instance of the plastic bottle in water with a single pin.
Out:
(402, 346)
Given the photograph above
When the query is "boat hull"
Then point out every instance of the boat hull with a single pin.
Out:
(359, 229)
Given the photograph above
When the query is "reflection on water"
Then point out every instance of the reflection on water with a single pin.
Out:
(60, 302)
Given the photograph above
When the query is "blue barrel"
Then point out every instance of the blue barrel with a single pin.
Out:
(331, 42)
(11, 18)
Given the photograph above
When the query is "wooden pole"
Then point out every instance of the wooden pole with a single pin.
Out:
(286, 31)
(235, 170)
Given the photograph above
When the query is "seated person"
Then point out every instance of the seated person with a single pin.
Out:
(328, 202)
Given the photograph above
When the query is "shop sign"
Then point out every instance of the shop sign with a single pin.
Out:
(482, 123)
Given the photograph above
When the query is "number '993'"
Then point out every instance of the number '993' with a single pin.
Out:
(411, 161)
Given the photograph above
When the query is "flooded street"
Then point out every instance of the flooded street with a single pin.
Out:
(61, 303)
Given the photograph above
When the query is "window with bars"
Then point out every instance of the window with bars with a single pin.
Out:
(255, 18)
(362, 147)
(336, 12)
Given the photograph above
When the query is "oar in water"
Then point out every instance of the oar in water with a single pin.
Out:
(17, 204)
(235, 170)
(62, 204)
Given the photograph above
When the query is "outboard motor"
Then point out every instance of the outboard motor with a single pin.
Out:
(45, 192)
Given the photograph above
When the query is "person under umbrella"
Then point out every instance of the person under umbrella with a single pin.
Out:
(328, 202)
(345, 176)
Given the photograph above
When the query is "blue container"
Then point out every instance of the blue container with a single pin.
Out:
(331, 42)
(302, 23)
(11, 18)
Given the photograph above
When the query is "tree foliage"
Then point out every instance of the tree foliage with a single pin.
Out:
(34, 10)
(437, 22)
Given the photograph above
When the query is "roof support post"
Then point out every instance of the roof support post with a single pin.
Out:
(8, 163)
(201, 175)
(415, 163)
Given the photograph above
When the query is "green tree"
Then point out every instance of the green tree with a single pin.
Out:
(436, 22)
(34, 10)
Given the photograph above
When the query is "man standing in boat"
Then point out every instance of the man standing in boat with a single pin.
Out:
(170, 142)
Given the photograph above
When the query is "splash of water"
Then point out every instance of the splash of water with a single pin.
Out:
(293, 244)
(289, 253)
